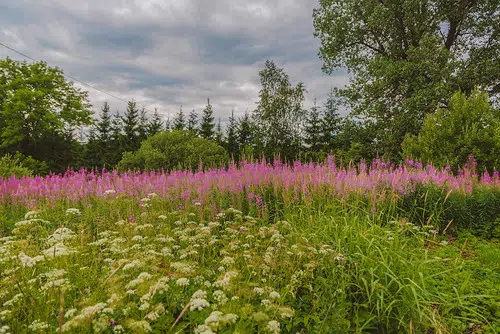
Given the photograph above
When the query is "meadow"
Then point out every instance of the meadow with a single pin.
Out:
(253, 248)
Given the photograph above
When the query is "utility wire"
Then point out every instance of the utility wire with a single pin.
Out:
(66, 75)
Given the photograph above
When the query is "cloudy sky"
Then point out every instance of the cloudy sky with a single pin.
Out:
(168, 53)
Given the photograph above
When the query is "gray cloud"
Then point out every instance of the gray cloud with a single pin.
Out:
(170, 53)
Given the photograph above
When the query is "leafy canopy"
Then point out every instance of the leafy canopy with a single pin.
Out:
(469, 126)
(407, 56)
(174, 150)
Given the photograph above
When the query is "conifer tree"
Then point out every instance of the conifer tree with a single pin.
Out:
(232, 138)
(331, 123)
(143, 125)
(313, 129)
(155, 125)
(207, 122)
(131, 139)
(179, 121)
(193, 122)
(244, 130)
(219, 135)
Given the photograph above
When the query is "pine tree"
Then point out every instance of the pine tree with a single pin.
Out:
(313, 129)
(207, 122)
(193, 122)
(219, 135)
(331, 123)
(131, 139)
(232, 138)
(155, 125)
(179, 121)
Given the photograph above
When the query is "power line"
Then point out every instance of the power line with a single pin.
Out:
(66, 75)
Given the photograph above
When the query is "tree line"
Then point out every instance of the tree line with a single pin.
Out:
(424, 84)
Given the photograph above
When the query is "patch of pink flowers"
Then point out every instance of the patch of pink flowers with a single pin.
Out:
(294, 181)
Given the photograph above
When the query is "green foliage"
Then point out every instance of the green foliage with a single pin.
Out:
(407, 56)
(130, 139)
(347, 270)
(179, 121)
(232, 144)
(207, 126)
(192, 124)
(12, 166)
(155, 125)
(331, 124)
(279, 114)
(313, 129)
(468, 126)
(174, 150)
(39, 112)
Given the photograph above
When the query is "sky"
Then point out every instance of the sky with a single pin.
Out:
(168, 53)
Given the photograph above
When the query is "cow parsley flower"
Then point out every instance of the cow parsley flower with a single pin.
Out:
(182, 281)
(273, 326)
(73, 212)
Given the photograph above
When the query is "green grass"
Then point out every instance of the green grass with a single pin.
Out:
(334, 267)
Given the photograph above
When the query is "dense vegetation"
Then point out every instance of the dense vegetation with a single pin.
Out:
(127, 223)
(302, 248)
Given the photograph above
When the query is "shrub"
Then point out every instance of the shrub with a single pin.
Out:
(11, 166)
(174, 150)
(469, 126)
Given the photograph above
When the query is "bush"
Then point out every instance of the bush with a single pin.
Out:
(174, 150)
(12, 166)
(469, 126)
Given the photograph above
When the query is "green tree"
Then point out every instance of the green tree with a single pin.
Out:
(40, 112)
(468, 126)
(116, 148)
(279, 114)
(331, 124)
(407, 56)
(192, 122)
(207, 125)
(143, 125)
(131, 139)
(175, 150)
(244, 130)
(219, 135)
(232, 138)
(312, 129)
(12, 166)
(179, 121)
(155, 124)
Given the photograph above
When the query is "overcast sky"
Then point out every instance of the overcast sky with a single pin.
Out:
(167, 53)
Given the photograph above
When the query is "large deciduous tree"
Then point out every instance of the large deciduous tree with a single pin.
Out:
(39, 112)
(279, 114)
(408, 56)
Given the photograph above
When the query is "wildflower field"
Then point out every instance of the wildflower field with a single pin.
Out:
(254, 248)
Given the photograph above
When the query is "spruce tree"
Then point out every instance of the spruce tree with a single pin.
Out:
(219, 135)
(193, 122)
(131, 139)
(313, 129)
(331, 123)
(143, 125)
(116, 139)
(179, 121)
(104, 137)
(244, 130)
(232, 138)
(155, 125)
(207, 122)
